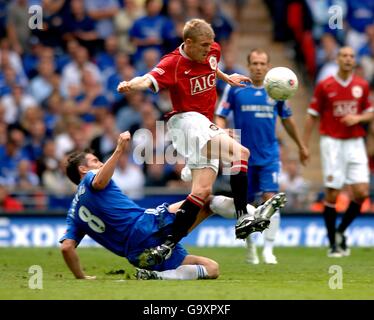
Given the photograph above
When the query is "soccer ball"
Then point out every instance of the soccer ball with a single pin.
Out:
(280, 83)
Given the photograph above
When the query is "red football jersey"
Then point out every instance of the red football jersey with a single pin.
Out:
(192, 85)
(333, 99)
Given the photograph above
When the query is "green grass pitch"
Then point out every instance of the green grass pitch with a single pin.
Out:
(302, 273)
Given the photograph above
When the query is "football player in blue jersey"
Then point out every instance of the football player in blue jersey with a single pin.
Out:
(100, 210)
(255, 114)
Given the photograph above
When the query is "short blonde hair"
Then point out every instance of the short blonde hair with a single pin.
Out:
(196, 28)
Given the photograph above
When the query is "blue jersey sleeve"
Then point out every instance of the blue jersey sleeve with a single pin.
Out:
(225, 105)
(284, 110)
(72, 232)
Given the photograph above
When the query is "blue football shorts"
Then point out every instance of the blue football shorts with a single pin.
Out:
(152, 230)
(263, 179)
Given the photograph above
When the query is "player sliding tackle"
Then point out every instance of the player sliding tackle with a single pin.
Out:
(190, 72)
(101, 211)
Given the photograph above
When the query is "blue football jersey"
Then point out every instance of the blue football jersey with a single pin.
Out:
(255, 114)
(107, 216)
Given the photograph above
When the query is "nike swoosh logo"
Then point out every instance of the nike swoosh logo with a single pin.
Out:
(187, 72)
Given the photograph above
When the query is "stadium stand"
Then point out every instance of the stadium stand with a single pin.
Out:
(57, 85)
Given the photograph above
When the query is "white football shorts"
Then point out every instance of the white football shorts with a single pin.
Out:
(189, 133)
(344, 161)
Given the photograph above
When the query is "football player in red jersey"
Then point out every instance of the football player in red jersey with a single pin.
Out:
(341, 103)
(190, 73)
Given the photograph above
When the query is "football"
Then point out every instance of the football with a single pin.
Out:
(280, 83)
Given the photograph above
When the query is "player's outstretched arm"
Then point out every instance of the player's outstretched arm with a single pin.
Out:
(290, 126)
(137, 83)
(234, 79)
(105, 173)
(72, 260)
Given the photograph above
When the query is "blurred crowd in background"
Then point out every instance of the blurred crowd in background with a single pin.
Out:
(58, 84)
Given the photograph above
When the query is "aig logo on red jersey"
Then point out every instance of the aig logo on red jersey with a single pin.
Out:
(202, 83)
(342, 108)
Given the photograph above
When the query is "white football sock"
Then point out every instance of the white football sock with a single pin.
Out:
(251, 246)
(249, 241)
(224, 206)
(184, 272)
(271, 233)
(252, 256)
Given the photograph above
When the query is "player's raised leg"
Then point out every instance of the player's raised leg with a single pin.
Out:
(230, 151)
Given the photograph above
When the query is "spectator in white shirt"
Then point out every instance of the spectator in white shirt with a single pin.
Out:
(129, 177)
(16, 103)
(72, 72)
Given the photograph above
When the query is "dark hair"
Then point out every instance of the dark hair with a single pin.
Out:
(258, 51)
(74, 160)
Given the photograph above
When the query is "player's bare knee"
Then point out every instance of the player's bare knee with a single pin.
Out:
(361, 196)
(331, 196)
(360, 193)
(66, 247)
(203, 192)
(212, 268)
(244, 153)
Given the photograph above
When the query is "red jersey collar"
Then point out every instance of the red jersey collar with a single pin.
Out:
(343, 83)
(183, 53)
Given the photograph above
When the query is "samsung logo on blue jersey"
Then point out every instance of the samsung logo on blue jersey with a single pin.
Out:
(257, 108)
(264, 115)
